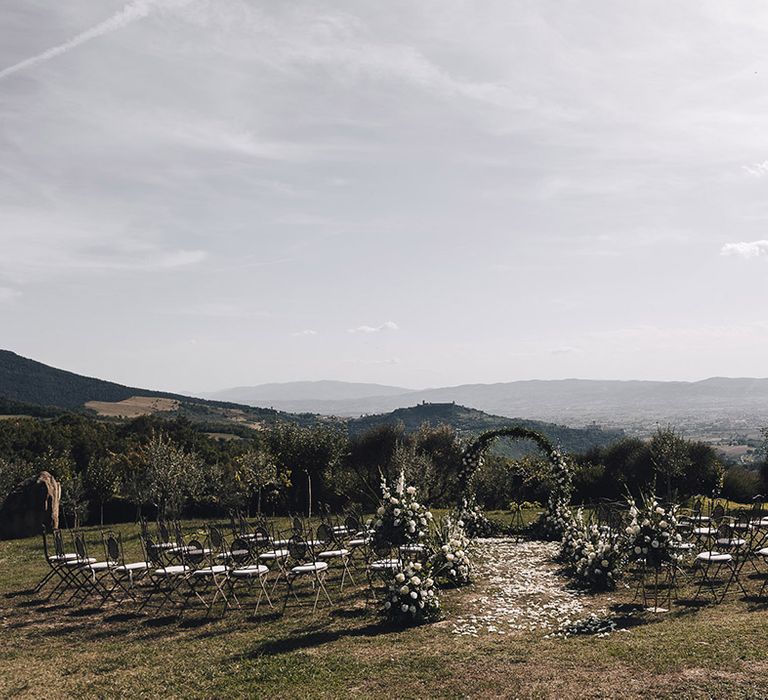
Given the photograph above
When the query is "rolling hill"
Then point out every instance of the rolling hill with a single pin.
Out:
(27, 385)
(32, 388)
(471, 421)
(739, 404)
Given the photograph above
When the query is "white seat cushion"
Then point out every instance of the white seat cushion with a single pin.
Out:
(134, 566)
(176, 570)
(280, 543)
(79, 562)
(357, 543)
(385, 565)
(714, 557)
(333, 553)
(101, 566)
(309, 568)
(731, 542)
(64, 557)
(762, 552)
(210, 570)
(250, 571)
(275, 554)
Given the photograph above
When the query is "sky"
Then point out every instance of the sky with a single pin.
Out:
(200, 194)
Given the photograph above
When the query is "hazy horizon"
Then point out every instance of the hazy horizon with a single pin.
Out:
(198, 196)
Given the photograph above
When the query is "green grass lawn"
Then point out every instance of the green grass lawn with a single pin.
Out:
(51, 651)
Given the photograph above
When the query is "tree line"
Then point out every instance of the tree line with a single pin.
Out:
(161, 467)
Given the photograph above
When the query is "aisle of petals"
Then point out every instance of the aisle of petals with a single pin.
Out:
(519, 590)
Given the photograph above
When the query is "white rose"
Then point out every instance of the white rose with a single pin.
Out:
(380, 511)
(404, 607)
(405, 590)
(387, 605)
(417, 566)
(393, 501)
(400, 577)
(396, 511)
(416, 581)
(414, 595)
(410, 490)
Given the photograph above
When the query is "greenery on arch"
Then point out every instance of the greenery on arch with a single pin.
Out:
(557, 517)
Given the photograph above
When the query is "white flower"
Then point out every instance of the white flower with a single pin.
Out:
(387, 605)
(414, 595)
(663, 524)
(380, 511)
(393, 501)
(655, 543)
(411, 490)
(417, 566)
(412, 609)
(604, 563)
(405, 590)
(404, 607)
(638, 550)
(416, 581)
(400, 577)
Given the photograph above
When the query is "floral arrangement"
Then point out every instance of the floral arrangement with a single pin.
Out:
(412, 596)
(556, 520)
(474, 521)
(652, 532)
(400, 519)
(450, 561)
(593, 555)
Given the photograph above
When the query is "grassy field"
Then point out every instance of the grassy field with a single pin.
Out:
(52, 651)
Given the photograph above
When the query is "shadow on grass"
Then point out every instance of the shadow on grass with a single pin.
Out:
(18, 594)
(316, 639)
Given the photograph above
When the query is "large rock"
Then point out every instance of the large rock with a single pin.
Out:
(32, 504)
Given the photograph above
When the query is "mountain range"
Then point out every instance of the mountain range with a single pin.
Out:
(31, 388)
(732, 403)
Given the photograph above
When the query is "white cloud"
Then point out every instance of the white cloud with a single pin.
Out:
(757, 169)
(746, 249)
(305, 333)
(136, 10)
(386, 326)
(564, 350)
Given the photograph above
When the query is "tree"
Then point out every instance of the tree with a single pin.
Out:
(102, 480)
(172, 475)
(255, 470)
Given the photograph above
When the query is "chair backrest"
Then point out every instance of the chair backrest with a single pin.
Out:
(353, 524)
(215, 538)
(261, 535)
(240, 552)
(152, 553)
(178, 533)
(162, 531)
(113, 548)
(80, 547)
(58, 542)
(297, 525)
(45, 545)
(718, 513)
(194, 553)
(325, 535)
(298, 549)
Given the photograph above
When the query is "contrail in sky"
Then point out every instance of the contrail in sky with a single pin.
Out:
(135, 10)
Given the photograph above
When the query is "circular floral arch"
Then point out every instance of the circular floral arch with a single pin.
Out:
(557, 516)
